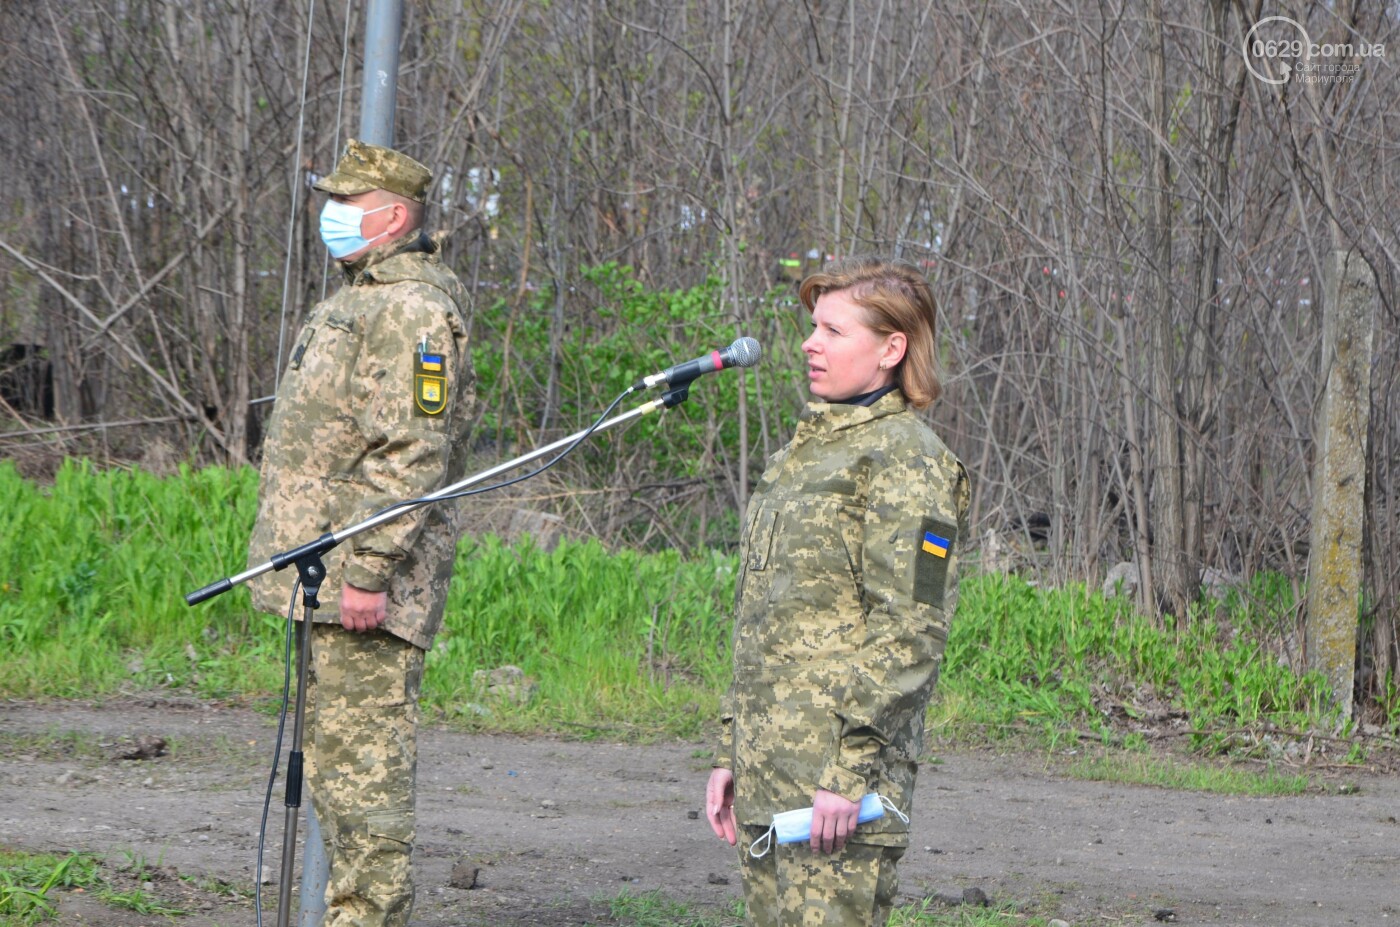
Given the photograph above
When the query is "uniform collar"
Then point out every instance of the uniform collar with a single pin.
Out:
(360, 270)
(828, 417)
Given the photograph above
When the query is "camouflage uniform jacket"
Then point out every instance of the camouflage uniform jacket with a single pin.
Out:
(846, 585)
(351, 433)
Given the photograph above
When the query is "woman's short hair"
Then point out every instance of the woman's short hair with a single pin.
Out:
(896, 297)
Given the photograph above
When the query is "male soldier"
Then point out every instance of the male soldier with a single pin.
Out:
(373, 410)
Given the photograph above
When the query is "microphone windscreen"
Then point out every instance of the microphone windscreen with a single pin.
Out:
(745, 352)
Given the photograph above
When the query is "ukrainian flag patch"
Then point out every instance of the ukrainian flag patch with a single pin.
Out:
(932, 558)
(933, 544)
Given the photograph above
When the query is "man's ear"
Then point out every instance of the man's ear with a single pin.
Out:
(400, 221)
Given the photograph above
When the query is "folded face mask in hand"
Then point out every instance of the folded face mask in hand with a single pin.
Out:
(796, 826)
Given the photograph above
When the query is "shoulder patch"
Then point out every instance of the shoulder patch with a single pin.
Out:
(933, 550)
(429, 382)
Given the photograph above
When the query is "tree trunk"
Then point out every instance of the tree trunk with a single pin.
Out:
(1169, 568)
(1339, 481)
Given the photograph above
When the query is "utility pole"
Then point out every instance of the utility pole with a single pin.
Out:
(383, 25)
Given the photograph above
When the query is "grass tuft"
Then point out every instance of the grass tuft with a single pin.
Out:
(1141, 769)
(27, 878)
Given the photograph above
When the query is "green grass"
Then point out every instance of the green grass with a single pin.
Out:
(623, 644)
(83, 746)
(931, 914)
(1055, 663)
(1141, 769)
(28, 882)
(656, 909)
(139, 901)
(26, 879)
(620, 644)
(95, 570)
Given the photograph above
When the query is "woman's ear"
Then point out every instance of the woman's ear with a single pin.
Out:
(893, 353)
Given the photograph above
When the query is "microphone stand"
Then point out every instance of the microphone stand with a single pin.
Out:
(312, 571)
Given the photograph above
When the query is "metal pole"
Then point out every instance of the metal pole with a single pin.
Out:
(315, 873)
(383, 23)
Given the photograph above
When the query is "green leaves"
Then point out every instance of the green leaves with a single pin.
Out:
(541, 367)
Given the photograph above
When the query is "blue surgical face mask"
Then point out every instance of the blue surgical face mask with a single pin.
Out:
(340, 227)
(796, 826)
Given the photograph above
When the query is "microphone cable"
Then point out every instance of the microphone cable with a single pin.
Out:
(276, 751)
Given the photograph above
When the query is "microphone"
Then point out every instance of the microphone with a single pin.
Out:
(744, 352)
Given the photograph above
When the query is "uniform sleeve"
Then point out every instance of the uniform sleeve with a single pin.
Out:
(915, 520)
(406, 450)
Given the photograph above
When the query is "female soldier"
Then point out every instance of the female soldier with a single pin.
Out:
(842, 607)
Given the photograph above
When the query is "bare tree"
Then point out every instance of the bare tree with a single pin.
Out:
(1127, 228)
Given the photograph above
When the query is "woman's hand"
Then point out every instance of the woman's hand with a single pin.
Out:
(833, 821)
(719, 804)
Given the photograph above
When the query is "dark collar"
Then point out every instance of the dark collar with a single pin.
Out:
(867, 399)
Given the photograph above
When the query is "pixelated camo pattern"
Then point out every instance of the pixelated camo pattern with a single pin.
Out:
(839, 625)
(361, 767)
(793, 886)
(363, 167)
(343, 440)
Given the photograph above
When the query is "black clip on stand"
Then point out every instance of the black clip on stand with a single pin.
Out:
(312, 572)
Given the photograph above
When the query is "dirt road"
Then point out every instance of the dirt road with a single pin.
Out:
(555, 829)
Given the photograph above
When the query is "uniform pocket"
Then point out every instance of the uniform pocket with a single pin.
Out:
(761, 538)
(817, 543)
(394, 826)
(389, 829)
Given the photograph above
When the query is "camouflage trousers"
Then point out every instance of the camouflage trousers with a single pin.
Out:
(361, 751)
(793, 887)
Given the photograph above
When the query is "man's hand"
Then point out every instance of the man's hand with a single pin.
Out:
(360, 609)
(833, 821)
(719, 804)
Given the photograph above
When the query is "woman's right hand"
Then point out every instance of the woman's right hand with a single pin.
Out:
(719, 804)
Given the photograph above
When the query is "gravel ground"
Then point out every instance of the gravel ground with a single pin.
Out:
(546, 831)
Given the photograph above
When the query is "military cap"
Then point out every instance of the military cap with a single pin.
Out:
(364, 167)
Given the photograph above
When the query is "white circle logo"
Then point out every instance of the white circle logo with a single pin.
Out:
(1279, 49)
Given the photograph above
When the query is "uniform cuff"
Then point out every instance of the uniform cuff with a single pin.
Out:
(363, 576)
(724, 752)
(847, 783)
